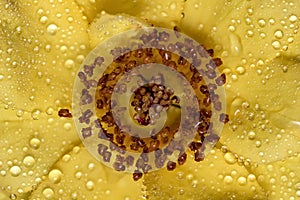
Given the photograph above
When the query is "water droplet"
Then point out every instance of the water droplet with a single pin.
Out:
(69, 64)
(293, 18)
(251, 135)
(43, 19)
(241, 70)
(35, 143)
(13, 196)
(261, 22)
(52, 29)
(236, 45)
(55, 176)
(242, 180)
(67, 126)
(50, 111)
(278, 34)
(91, 166)
(66, 158)
(19, 113)
(228, 179)
(78, 175)
(15, 170)
(48, 193)
(173, 6)
(251, 177)
(229, 158)
(90, 185)
(276, 44)
(28, 161)
(35, 114)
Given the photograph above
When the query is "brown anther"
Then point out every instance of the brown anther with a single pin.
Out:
(86, 132)
(118, 166)
(224, 118)
(137, 175)
(64, 113)
(199, 156)
(217, 61)
(182, 158)
(221, 80)
(171, 166)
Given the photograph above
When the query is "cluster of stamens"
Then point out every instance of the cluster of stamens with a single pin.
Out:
(149, 100)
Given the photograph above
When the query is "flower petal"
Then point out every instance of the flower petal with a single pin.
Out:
(254, 31)
(43, 45)
(281, 179)
(79, 175)
(264, 107)
(216, 177)
(106, 25)
(30, 147)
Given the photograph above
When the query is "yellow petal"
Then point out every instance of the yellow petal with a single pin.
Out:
(159, 13)
(255, 31)
(281, 179)
(264, 112)
(90, 8)
(30, 147)
(43, 45)
(213, 178)
(79, 176)
(106, 25)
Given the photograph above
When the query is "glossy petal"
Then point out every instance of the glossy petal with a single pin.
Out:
(78, 175)
(219, 176)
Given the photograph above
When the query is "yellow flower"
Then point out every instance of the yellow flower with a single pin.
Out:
(43, 44)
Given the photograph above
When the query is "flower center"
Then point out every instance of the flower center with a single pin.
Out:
(146, 97)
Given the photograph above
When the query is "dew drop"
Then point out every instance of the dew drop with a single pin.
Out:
(29, 161)
(261, 22)
(229, 158)
(242, 180)
(278, 34)
(19, 113)
(35, 143)
(293, 18)
(52, 29)
(15, 170)
(251, 135)
(66, 158)
(276, 44)
(43, 19)
(241, 70)
(228, 179)
(35, 114)
(67, 126)
(90, 185)
(55, 176)
(48, 193)
(69, 64)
